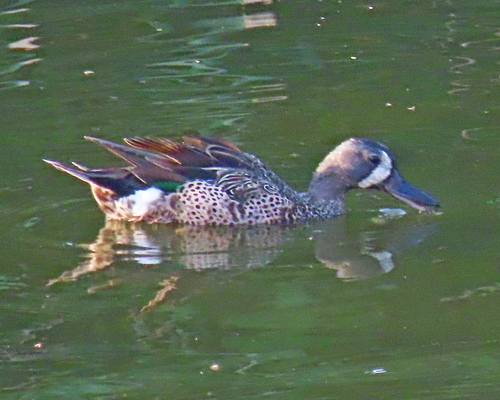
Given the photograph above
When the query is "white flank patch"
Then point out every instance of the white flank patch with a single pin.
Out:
(142, 200)
(379, 174)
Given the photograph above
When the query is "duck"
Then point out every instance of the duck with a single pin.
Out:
(210, 181)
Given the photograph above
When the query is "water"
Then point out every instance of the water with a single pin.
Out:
(365, 306)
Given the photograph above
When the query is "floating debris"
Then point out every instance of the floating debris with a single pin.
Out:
(215, 367)
(376, 371)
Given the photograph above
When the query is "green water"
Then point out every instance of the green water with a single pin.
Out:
(362, 307)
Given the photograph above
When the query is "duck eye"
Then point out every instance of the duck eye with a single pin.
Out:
(374, 159)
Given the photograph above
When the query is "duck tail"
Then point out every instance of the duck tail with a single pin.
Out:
(80, 172)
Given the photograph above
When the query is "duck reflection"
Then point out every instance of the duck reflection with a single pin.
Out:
(370, 252)
(352, 252)
(195, 248)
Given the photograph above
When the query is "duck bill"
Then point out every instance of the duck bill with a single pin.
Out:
(398, 187)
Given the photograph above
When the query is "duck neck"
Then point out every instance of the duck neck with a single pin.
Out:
(327, 188)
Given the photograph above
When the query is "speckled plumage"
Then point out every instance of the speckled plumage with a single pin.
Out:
(204, 181)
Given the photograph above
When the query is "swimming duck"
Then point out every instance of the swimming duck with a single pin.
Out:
(206, 180)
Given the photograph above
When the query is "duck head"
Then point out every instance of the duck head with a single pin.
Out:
(365, 164)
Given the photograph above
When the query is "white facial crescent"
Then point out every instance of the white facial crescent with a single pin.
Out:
(379, 174)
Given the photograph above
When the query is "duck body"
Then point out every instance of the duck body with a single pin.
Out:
(210, 181)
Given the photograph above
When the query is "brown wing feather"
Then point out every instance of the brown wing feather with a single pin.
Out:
(174, 152)
(195, 151)
(225, 152)
(154, 160)
(202, 142)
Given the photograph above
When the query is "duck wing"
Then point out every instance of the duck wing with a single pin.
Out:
(167, 164)
(240, 174)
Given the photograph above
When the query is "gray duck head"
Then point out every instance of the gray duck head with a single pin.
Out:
(365, 164)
